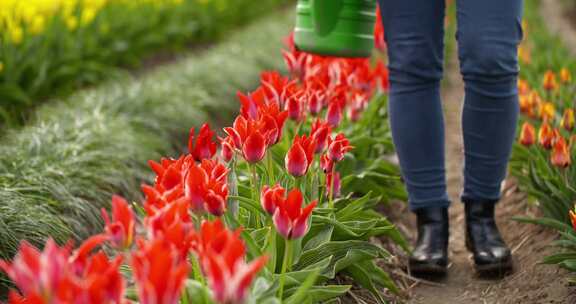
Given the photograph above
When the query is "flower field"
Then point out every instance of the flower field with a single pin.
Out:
(543, 158)
(51, 48)
(249, 172)
(270, 202)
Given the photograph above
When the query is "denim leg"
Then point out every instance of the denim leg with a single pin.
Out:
(489, 32)
(414, 33)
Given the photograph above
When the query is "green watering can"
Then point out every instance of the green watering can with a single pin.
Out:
(343, 28)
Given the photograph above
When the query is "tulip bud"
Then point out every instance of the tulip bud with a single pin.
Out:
(527, 134)
(254, 148)
(334, 114)
(568, 119)
(296, 161)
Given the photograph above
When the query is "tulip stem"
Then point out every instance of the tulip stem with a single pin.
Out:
(331, 188)
(270, 168)
(197, 271)
(297, 183)
(285, 266)
(272, 247)
(255, 192)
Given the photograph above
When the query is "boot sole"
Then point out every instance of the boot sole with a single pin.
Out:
(428, 269)
(499, 269)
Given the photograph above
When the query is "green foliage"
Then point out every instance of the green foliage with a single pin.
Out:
(60, 60)
(57, 172)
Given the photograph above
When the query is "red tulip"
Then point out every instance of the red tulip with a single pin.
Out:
(121, 228)
(38, 274)
(334, 114)
(202, 147)
(300, 156)
(320, 132)
(206, 187)
(335, 185)
(159, 272)
(271, 197)
(222, 256)
(357, 105)
(249, 136)
(274, 84)
(379, 41)
(254, 148)
(316, 102)
(251, 102)
(338, 147)
(227, 148)
(527, 134)
(380, 76)
(272, 121)
(173, 224)
(295, 106)
(326, 163)
(56, 275)
(290, 219)
(560, 156)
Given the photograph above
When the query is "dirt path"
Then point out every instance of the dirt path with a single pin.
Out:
(558, 22)
(530, 283)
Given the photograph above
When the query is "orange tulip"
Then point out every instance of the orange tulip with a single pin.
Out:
(547, 110)
(565, 76)
(527, 134)
(560, 156)
(573, 217)
(525, 104)
(545, 135)
(568, 119)
(549, 81)
(523, 87)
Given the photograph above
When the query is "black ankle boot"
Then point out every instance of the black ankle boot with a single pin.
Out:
(430, 255)
(491, 255)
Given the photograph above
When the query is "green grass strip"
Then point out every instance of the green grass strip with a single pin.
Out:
(57, 172)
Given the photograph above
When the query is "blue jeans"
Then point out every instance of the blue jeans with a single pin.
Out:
(488, 35)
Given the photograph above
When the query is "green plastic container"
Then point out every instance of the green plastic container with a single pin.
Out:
(343, 28)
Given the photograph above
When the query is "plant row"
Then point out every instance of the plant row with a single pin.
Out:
(49, 48)
(60, 170)
(544, 155)
(271, 211)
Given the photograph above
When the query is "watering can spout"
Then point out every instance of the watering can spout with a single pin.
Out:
(342, 28)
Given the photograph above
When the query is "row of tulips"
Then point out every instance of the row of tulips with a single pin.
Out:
(50, 48)
(543, 158)
(255, 216)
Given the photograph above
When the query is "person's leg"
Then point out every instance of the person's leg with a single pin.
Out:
(489, 32)
(488, 35)
(414, 33)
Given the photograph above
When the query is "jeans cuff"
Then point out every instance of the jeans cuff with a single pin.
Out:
(435, 203)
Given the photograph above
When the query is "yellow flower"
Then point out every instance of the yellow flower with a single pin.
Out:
(16, 35)
(547, 111)
(565, 76)
(37, 24)
(524, 54)
(1, 67)
(72, 23)
(568, 119)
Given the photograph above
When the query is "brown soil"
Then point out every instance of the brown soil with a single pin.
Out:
(530, 282)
